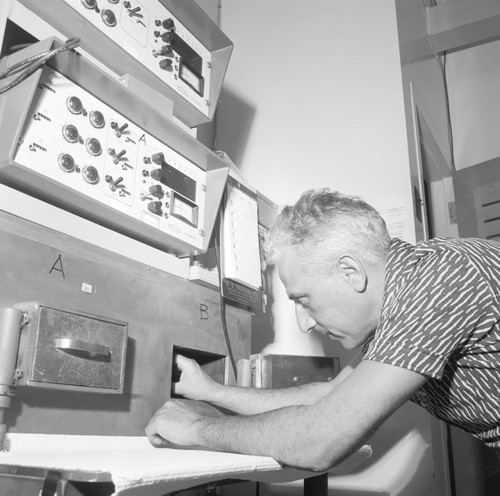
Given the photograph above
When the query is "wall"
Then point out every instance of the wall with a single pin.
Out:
(314, 97)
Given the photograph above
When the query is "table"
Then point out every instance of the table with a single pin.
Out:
(67, 465)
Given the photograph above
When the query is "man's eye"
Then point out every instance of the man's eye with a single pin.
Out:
(304, 302)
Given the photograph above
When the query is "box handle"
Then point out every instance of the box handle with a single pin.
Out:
(71, 345)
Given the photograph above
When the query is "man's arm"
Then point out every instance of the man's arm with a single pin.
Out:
(197, 385)
(314, 437)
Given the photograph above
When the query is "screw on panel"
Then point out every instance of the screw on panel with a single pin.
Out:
(201, 232)
(203, 188)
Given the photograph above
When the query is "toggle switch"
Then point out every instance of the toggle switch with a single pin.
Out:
(134, 11)
(113, 184)
(118, 156)
(119, 130)
(164, 51)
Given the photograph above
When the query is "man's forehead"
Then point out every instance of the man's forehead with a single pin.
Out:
(294, 269)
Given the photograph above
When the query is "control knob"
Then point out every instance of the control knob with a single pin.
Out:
(157, 174)
(157, 191)
(158, 158)
(168, 36)
(155, 207)
(166, 64)
(168, 23)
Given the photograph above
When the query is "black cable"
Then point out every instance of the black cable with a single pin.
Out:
(222, 304)
(29, 65)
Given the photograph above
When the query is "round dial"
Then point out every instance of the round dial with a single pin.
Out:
(74, 105)
(70, 133)
(90, 174)
(66, 162)
(96, 118)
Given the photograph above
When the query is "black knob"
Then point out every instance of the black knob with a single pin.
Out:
(157, 174)
(155, 207)
(168, 36)
(156, 191)
(158, 158)
(166, 64)
(168, 23)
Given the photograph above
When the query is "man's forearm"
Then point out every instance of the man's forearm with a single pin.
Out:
(252, 401)
(293, 436)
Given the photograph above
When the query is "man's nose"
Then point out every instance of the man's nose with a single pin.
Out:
(304, 320)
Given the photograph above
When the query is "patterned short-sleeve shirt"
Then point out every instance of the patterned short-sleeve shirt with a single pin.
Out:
(441, 318)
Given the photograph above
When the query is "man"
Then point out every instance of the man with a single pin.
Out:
(427, 318)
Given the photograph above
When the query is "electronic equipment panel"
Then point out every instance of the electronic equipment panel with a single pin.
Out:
(170, 45)
(85, 143)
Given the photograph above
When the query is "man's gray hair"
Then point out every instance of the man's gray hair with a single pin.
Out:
(332, 224)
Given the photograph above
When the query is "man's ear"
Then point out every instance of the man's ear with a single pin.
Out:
(354, 272)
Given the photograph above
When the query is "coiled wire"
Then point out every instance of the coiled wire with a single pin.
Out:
(29, 65)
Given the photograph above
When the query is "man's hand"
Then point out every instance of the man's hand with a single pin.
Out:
(174, 424)
(194, 382)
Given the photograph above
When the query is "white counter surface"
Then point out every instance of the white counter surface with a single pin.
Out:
(132, 463)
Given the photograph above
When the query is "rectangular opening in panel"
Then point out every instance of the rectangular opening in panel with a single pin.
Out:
(212, 363)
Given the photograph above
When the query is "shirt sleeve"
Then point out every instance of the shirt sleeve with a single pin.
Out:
(432, 314)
